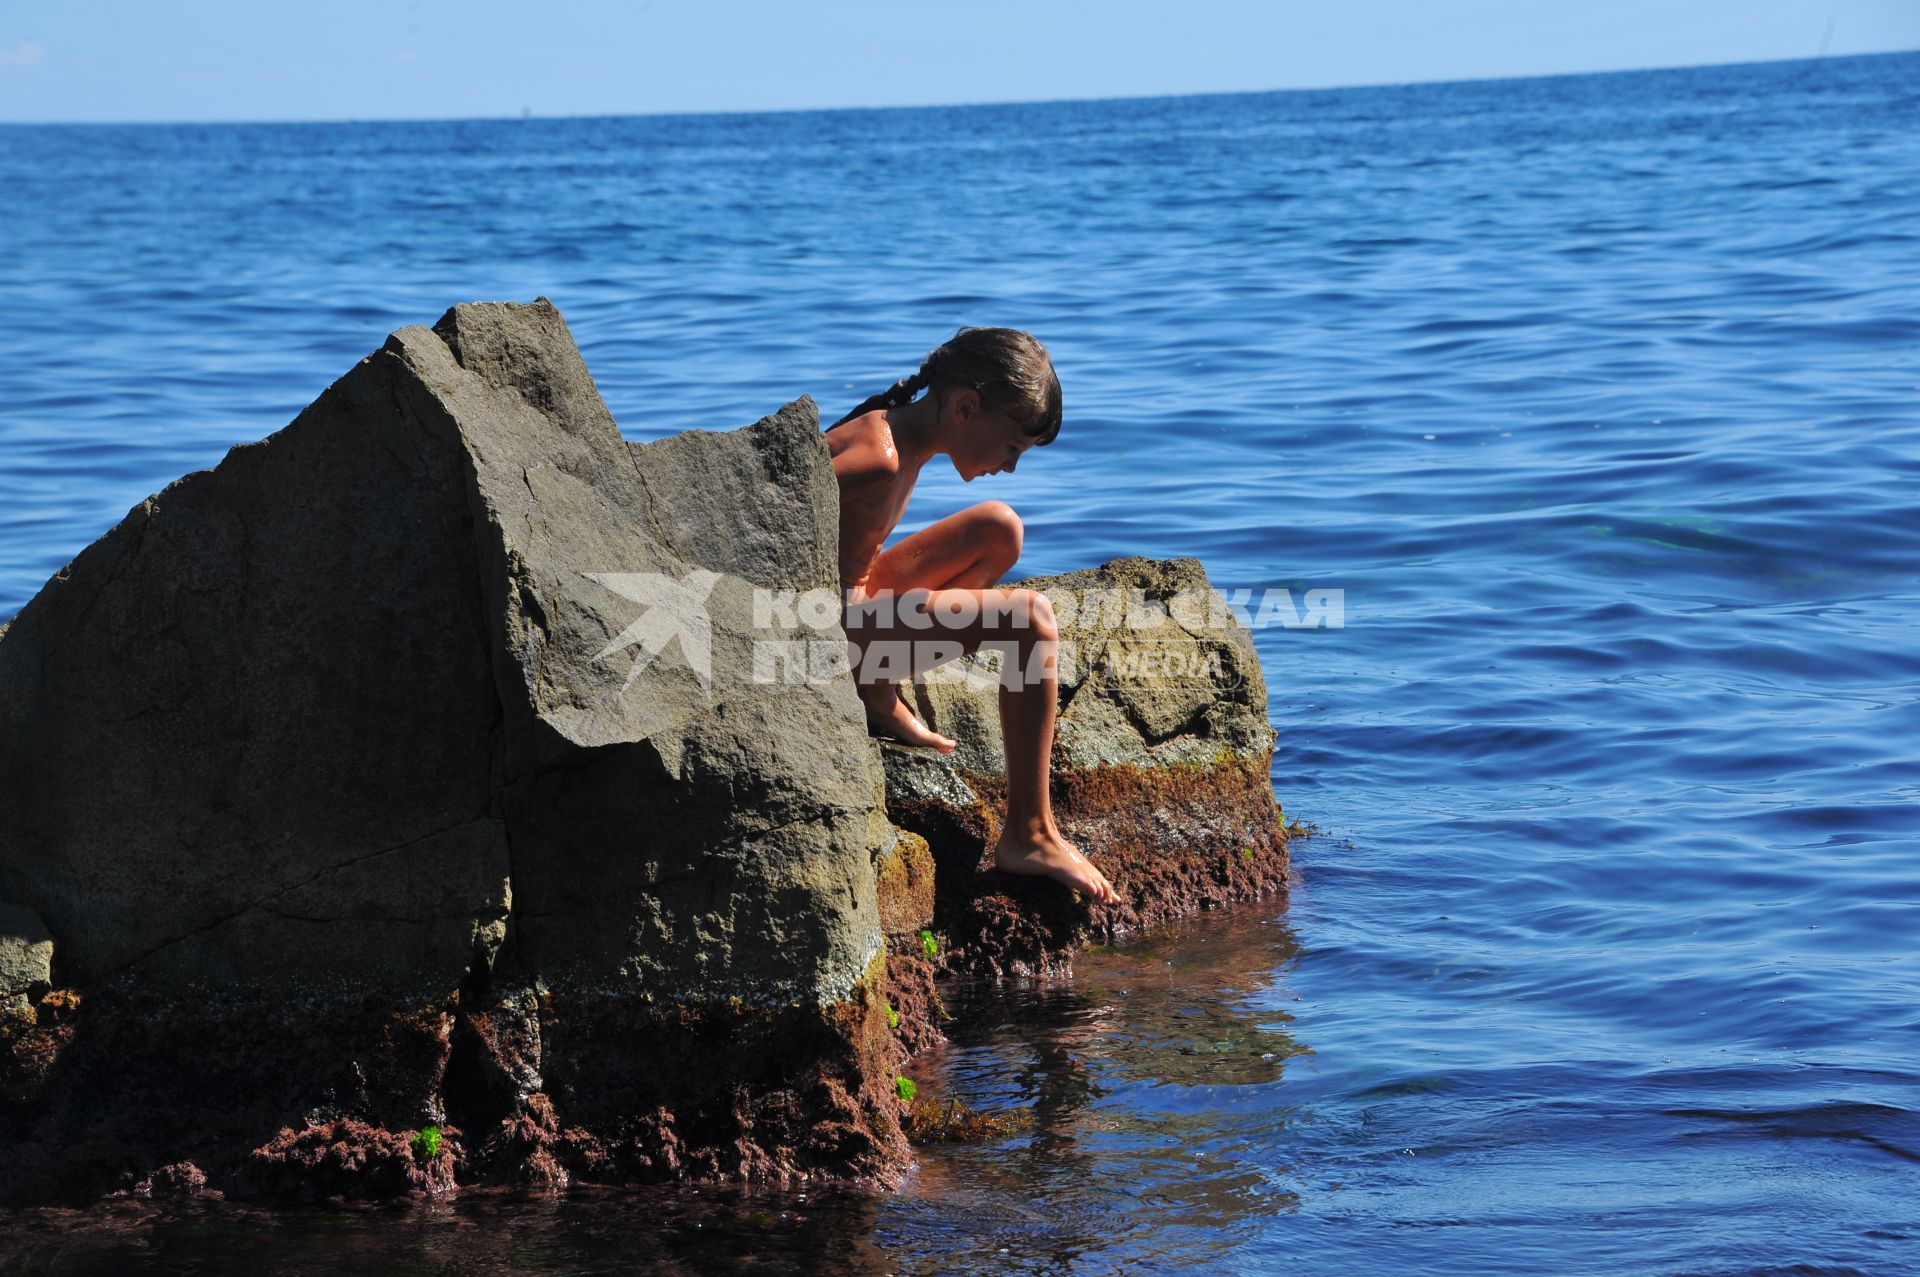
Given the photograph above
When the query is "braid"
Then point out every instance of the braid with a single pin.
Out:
(900, 392)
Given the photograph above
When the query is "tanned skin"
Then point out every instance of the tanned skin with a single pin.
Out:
(877, 458)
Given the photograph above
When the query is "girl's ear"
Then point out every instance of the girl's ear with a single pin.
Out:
(963, 403)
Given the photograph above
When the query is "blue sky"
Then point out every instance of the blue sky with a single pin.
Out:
(86, 60)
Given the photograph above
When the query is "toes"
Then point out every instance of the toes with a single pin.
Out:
(1093, 883)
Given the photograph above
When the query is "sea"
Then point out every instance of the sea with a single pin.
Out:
(1590, 400)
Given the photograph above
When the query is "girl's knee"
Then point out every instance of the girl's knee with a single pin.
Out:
(1035, 610)
(1000, 528)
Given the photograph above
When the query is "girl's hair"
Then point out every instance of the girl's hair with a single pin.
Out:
(1008, 367)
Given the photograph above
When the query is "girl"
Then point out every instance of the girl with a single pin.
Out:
(991, 395)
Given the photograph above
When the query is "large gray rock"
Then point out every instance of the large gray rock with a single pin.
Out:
(414, 766)
(350, 713)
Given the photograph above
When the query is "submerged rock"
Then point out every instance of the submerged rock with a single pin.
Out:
(405, 803)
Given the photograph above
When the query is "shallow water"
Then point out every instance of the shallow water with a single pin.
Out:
(1595, 395)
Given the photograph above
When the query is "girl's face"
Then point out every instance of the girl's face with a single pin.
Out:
(987, 439)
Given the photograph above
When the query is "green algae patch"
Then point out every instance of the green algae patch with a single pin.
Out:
(426, 1143)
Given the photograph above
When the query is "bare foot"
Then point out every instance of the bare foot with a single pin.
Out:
(1041, 850)
(888, 716)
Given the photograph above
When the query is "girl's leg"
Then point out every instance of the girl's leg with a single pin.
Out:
(918, 629)
(1030, 842)
(971, 549)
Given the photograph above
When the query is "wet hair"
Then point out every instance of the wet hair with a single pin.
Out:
(1009, 368)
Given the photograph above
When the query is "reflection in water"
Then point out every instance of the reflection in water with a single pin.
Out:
(1154, 1140)
(1156, 1137)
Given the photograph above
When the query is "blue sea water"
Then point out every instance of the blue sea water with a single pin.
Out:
(1595, 395)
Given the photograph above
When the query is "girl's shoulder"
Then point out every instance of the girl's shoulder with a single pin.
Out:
(850, 423)
(863, 448)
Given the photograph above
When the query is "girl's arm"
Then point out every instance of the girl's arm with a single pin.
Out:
(867, 467)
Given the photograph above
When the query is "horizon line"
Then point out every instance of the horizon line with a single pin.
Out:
(526, 114)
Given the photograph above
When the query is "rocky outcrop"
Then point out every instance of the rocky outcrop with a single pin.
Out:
(408, 770)
(444, 790)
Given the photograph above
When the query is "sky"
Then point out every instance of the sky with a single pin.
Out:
(207, 60)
